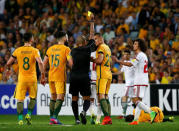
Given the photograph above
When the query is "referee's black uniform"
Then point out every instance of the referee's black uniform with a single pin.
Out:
(79, 78)
(79, 75)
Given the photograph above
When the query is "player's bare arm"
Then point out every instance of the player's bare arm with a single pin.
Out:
(122, 62)
(117, 73)
(91, 15)
(10, 61)
(98, 60)
(125, 63)
(70, 62)
(41, 67)
(45, 62)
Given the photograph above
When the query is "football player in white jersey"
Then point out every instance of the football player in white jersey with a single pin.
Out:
(141, 80)
(129, 81)
(93, 93)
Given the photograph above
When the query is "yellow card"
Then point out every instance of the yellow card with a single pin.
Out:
(89, 13)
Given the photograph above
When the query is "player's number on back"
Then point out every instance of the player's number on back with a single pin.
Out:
(107, 62)
(146, 67)
(55, 60)
(26, 65)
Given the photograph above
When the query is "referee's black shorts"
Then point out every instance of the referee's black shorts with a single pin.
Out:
(81, 86)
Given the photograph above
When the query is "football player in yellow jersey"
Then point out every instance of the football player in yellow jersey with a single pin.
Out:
(26, 57)
(57, 57)
(145, 117)
(104, 76)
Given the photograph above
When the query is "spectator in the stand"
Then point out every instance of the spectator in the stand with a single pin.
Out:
(166, 79)
(175, 78)
(143, 16)
(2, 6)
(76, 32)
(4, 49)
(109, 34)
(157, 15)
(99, 25)
(154, 42)
(122, 27)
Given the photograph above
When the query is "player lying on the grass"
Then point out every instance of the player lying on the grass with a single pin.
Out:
(104, 76)
(26, 57)
(57, 56)
(93, 93)
(145, 117)
(129, 80)
(79, 75)
(141, 80)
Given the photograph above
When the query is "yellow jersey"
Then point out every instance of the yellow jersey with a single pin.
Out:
(145, 117)
(58, 55)
(104, 69)
(25, 56)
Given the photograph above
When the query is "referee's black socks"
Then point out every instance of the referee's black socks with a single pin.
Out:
(86, 105)
(75, 109)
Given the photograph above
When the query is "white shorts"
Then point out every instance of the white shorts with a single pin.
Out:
(139, 91)
(93, 91)
(129, 91)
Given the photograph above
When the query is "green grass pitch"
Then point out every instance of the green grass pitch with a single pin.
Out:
(41, 123)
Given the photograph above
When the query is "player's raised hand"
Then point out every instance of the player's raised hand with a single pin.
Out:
(91, 16)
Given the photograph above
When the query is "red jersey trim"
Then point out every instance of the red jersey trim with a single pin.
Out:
(140, 85)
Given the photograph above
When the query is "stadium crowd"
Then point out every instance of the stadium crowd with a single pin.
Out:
(119, 21)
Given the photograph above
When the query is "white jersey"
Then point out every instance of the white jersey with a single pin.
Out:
(93, 68)
(141, 69)
(129, 74)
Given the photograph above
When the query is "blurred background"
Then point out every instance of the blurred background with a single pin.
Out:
(119, 21)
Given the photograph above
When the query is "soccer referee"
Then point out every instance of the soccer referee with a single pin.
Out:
(79, 76)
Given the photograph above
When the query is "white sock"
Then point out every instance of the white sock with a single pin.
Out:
(137, 113)
(99, 113)
(91, 108)
(124, 107)
(144, 107)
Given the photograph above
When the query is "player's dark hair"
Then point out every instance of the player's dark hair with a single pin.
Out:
(98, 34)
(127, 51)
(129, 118)
(142, 45)
(27, 37)
(60, 34)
